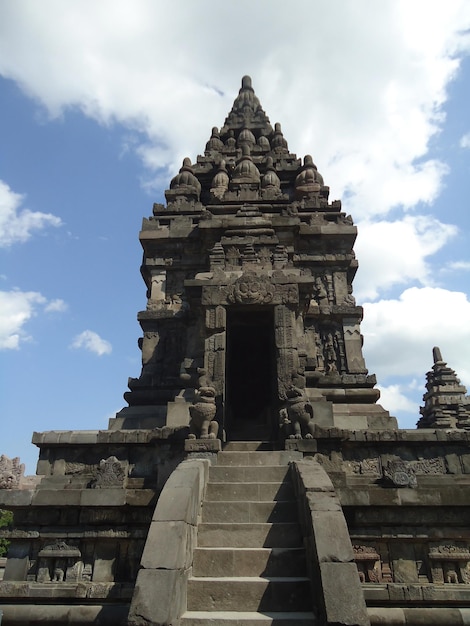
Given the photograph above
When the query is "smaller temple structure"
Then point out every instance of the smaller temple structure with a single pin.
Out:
(446, 404)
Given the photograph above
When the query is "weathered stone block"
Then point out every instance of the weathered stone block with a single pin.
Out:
(105, 556)
(453, 463)
(11, 589)
(389, 616)
(17, 562)
(178, 414)
(466, 463)
(312, 476)
(15, 497)
(140, 497)
(342, 594)
(353, 496)
(404, 563)
(202, 445)
(323, 501)
(382, 496)
(57, 498)
(159, 598)
(353, 422)
(422, 497)
(169, 545)
(331, 536)
(109, 496)
(307, 446)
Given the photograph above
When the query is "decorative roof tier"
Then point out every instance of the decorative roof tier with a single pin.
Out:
(445, 402)
(247, 150)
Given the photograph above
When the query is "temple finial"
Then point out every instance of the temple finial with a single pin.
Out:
(436, 355)
(246, 82)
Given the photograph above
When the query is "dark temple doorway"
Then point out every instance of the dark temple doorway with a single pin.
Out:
(250, 378)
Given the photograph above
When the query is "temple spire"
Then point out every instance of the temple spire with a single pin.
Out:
(445, 402)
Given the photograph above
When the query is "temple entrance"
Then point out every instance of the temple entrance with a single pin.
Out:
(250, 376)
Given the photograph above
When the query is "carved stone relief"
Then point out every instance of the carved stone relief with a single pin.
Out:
(442, 563)
(353, 346)
(252, 288)
(216, 318)
(297, 414)
(368, 564)
(110, 473)
(214, 360)
(148, 346)
(370, 466)
(232, 258)
(320, 292)
(75, 468)
(403, 473)
(265, 258)
(450, 564)
(202, 424)
(59, 562)
(158, 286)
(330, 353)
(11, 471)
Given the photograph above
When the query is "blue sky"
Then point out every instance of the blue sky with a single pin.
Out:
(99, 106)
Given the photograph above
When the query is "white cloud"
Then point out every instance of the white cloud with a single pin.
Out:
(17, 225)
(56, 306)
(465, 141)
(457, 266)
(91, 341)
(366, 94)
(394, 399)
(393, 253)
(399, 334)
(16, 308)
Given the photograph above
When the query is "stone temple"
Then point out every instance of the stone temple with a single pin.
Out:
(253, 478)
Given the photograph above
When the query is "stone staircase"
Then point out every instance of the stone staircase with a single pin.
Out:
(249, 565)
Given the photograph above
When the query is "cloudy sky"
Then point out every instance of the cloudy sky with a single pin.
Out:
(100, 101)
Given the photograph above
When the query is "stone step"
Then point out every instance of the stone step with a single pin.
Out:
(274, 457)
(245, 512)
(246, 473)
(249, 562)
(247, 618)
(253, 594)
(245, 446)
(253, 492)
(252, 535)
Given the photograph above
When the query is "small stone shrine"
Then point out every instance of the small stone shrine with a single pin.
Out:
(253, 477)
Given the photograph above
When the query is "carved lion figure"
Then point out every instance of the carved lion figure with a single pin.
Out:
(297, 414)
(202, 424)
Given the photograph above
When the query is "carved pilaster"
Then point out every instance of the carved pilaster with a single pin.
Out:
(450, 563)
(368, 564)
(286, 347)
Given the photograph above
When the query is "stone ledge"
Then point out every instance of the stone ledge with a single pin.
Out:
(112, 615)
(93, 437)
(15, 497)
(377, 495)
(412, 593)
(302, 445)
(33, 590)
(202, 445)
(110, 497)
(385, 435)
(54, 532)
(436, 616)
